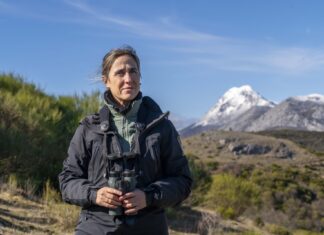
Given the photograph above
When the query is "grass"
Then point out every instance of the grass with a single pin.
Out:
(22, 214)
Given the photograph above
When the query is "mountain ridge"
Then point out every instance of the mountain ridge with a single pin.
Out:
(243, 109)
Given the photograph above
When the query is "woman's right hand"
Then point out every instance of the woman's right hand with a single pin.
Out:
(108, 197)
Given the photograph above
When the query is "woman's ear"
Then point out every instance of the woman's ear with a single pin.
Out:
(105, 80)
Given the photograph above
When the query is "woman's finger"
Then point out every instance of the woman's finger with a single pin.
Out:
(129, 205)
(131, 211)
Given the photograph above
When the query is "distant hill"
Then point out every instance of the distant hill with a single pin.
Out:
(310, 140)
(264, 147)
(179, 121)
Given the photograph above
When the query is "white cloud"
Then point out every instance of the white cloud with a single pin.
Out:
(233, 55)
(162, 29)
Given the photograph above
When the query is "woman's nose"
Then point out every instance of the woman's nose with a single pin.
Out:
(128, 77)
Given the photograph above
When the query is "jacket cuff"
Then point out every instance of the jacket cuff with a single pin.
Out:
(149, 196)
(93, 197)
(152, 194)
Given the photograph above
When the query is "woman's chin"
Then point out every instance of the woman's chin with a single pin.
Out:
(129, 96)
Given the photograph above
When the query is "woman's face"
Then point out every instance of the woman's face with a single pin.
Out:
(124, 79)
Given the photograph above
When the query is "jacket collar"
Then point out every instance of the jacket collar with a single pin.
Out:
(149, 113)
(111, 102)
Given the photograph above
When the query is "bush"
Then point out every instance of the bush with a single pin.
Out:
(36, 128)
(258, 222)
(278, 230)
(231, 196)
(212, 166)
(201, 180)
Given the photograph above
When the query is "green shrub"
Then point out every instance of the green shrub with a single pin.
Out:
(201, 180)
(258, 222)
(212, 166)
(278, 230)
(36, 128)
(227, 212)
(231, 196)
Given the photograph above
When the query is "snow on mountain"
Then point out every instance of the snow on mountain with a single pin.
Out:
(232, 104)
(312, 97)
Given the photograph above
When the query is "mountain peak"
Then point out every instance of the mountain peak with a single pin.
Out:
(244, 88)
(233, 103)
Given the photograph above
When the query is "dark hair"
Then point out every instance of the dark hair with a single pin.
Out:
(113, 54)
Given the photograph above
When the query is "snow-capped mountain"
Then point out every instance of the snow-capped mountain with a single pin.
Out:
(232, 104)
(234, 110)
(243, 109)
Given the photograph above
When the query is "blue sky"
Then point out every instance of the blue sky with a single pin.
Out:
(191, 51)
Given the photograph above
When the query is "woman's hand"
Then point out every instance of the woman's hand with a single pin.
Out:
(133, 201)
(108, 197)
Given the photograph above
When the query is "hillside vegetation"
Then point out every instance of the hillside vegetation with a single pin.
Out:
(311, 140)
(35, 129)
(269, 180)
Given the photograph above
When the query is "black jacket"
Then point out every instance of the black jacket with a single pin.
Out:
(162, 168)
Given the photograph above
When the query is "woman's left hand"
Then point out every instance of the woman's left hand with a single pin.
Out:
(133, 201)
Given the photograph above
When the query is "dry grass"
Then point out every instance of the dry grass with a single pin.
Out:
(20, 215)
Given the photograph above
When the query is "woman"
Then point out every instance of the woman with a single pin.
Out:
(125, 164)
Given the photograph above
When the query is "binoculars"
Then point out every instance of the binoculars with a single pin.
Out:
(122, 180)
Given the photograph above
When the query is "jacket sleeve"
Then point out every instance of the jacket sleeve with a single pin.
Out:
(176, 184)
(74, 184)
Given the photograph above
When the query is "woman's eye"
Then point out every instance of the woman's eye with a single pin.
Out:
(120, 73)
(133, 71)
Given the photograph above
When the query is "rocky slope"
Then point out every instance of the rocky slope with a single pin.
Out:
(293, 113)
